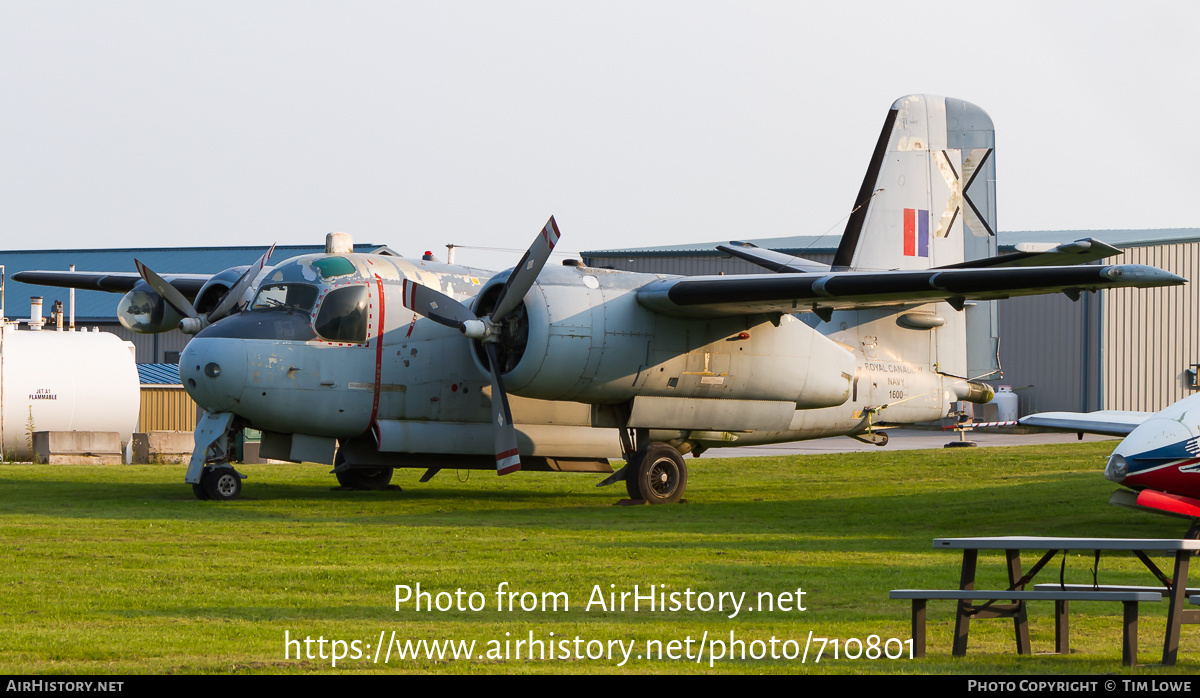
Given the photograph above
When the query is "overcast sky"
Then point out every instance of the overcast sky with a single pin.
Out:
(417, 124)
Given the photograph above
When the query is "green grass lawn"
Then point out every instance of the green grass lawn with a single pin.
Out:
(119, 569)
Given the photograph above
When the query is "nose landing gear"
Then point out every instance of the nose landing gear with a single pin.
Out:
(220, 483)
(209, 472)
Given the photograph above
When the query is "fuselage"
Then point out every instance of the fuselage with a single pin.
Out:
(327, 348)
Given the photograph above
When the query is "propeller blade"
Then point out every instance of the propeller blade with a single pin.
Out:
(233, 297)
(435, 305)
(508, 460)
(169, 293)
(526, 272)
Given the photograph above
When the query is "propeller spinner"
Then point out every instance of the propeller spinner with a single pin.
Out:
(487, 328)
(192, 321)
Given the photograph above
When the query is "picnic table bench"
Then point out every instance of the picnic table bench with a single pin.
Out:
(1172, 588)
(1016, 610)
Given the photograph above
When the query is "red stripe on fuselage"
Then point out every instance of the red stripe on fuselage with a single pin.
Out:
(378, 351)
(1168, 478)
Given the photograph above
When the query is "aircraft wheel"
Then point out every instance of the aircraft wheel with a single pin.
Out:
(660, 475)
(221, 483)
(365, 478)
(198, 490)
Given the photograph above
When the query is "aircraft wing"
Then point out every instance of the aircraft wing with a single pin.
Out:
(1108, 422)
(117, 282)
(718, 296)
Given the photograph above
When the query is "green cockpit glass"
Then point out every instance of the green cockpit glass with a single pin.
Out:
(331, 267)
(300, 297)
(343, 315)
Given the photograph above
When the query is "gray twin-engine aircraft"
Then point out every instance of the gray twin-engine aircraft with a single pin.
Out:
(374, 362)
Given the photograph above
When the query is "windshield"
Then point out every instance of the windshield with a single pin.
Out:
(343, 315)
(300, 297)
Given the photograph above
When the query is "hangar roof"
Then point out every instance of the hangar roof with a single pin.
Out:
(158, 374)
(827, 244)
(99, 306)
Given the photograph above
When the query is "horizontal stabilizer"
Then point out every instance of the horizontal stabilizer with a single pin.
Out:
(771, 260)
(718, 296)
(1078, 252)
(1107, 422)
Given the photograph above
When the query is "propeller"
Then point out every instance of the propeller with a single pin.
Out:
(487, 328)
(193, 322)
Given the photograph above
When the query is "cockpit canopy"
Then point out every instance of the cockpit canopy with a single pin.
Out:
(327, 284)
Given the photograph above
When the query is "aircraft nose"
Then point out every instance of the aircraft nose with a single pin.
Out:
(213, 372)
(1156, 442)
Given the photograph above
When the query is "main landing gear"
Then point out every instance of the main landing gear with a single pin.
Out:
(360, 477)
(656, 475)
(654, 471)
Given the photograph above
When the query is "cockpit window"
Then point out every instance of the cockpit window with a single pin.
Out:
(331, 267)
(343, 315)
(300, 297)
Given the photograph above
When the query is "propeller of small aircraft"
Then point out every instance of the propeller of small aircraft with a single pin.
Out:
(488, 329)
(192, 321)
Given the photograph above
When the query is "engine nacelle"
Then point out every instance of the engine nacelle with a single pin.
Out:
(143, 311)
(580, 334)
(214, 289)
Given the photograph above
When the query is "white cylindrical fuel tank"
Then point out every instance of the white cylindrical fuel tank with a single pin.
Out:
(65, 381)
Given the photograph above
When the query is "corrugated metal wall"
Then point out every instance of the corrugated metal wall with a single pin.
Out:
(1046, 354)
(1151, 336)
(166, 408)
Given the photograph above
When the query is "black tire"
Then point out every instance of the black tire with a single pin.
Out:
(365, 478)
(221, 483)
(658, 477)
(198, 490)
(631, 481)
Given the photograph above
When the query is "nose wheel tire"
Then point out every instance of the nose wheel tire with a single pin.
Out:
(658, 475)
(221, 483)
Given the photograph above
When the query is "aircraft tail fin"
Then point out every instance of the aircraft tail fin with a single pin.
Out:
(928, 198)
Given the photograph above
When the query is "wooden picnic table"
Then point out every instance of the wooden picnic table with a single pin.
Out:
(1142, 548)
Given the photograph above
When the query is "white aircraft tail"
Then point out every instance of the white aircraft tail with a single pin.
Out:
(928, 198)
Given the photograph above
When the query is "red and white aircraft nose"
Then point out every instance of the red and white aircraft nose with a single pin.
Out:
(1158, 454)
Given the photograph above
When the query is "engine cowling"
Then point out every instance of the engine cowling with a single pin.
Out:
(214, 289)
(145, 312)
(580, 334)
